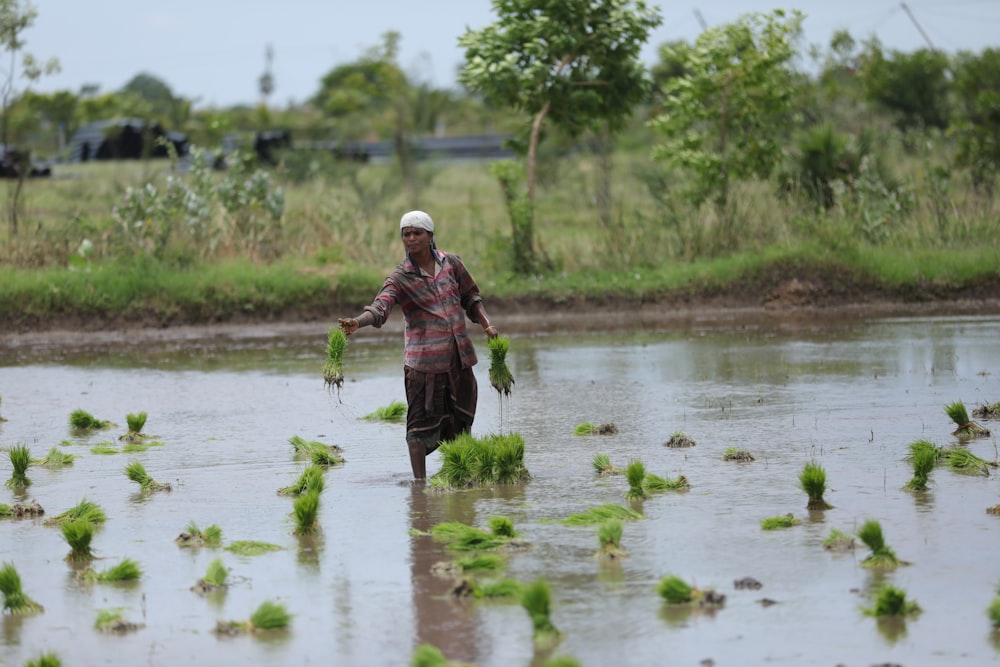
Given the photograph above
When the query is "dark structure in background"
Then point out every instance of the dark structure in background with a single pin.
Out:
(124, 139)
(470, 147)
(13, 161)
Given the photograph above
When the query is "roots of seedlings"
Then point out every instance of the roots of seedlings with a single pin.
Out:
(987, 411)
(202, 587)
(21, 511)
(747, 583)
(119, 626)
(679, 440)
(971, 430)
(739, 455)
(995, 510)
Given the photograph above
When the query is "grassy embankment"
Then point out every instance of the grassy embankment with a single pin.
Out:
(338, 238)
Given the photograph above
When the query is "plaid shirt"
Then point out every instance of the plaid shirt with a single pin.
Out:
(434, 309)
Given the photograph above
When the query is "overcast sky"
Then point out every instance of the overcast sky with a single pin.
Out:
(213, 51)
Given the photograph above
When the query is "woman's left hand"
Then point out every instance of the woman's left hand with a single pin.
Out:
(492, 331)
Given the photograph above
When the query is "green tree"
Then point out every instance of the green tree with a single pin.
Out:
(722, 121)
(913, 87)
(575, 63)
(977, 126)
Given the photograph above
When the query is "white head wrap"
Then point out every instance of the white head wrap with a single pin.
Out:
(417, 219)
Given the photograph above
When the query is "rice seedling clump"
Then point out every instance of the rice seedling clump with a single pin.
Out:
(838, 541)
(216, 576)
(311, 479)
(635, 474)
(462, 537)
(993, 613)
(268, 616)
(21, 510)
(601, 513)
(196, 537)
(318, 453)
(137, 473)
(779, 522)
(251, 547)
(923, 456)
(963, 461)
(136, 422)
(86, 510)
(127, 570)
(111, 621)
(737, 454)
(15, 601)
(881, 555)
(587, 428)
(988, 411)
(675, 590)
(20, 461)
(891, 601)
(333, 367)
(500, 375)
(306, 511)
(678, 439)
(960, 416)
(536, 599)
(813, 481)
(45, 660)
(56, 458)
(428, 655)
(78, 534)
(609, 536)
(395, 412)
(657, 483)
(82, 420)
(468, 462)
(602, 465)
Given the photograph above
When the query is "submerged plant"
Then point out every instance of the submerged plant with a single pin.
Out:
(127, 570)
(394, 412)
(78, 533)
(14, 599)
(881, 555)
(135, 422)
(319, 453)
(112, 621)
(675, 590)
(20, 460)
(306, 511)
(137, 473)
(106, 447)
(737, 454)
(602, 465)
(82, 420)
(195, 536)
(635, 474)
(468, 461)
(55, 458)
(45, 660)
(601, 513)
(813, 482)
(251, 547)
(537, 600)
(679, 439)
(778, 522)
(216, 574)
(838, 540)
(964, 461)
(657, 483)
(310, 480)
(333, 367)
(587, 428)
(428, 655)
(960, 416)
(268, 616)
(85, 510)
(463, 537)
(609, 535)
(481, 563)
(500, 375)
(923, 455)
(891, 601)
(502, 588)
(988, 411)
(993, 613)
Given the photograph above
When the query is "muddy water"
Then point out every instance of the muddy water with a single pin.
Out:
(850, 396)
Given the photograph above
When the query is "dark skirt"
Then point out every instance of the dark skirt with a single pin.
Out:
(440, 406)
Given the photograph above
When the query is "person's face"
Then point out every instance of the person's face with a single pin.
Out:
(415, 239)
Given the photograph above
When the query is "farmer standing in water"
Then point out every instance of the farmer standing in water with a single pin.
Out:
(436, 293)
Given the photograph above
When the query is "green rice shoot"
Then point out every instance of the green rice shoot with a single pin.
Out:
(310, 479)
(601, 513)
(500, 375)
(15, 601)
(136, 422)
(56, 458)
(964, 461)
(395, 412)
(778, 522)
(193, 535)
(502, 588)
(812, 479)
(881, 555)
(333, 367)
(270, 616)
(468, 461)
(107, 617)
(251, 548)
(462, 537)
(85, 510)
(891, 601)
(216, 574)
(319, 453)
(838, 540)
(609, 537)
(6, 511)
(45, 660)
(656, 483)
(137, 473)
(428, 655)
(635, 474)
(536, 599)
(126, 570)
(488, 562)
(957, 413)
(138, 446)
(585, 428)
(675, 590)
(602, 464)
(306, 511)
(78, 534)
(993, 613)
(104, 448)
(923, 457)
(20, 460)
(81, 420)
(502, 526)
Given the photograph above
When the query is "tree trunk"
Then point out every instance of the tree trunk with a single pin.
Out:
(525, 233)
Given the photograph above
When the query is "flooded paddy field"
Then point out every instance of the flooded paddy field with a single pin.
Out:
(851, 396)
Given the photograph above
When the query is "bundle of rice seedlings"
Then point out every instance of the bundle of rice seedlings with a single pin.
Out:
(311, 479)
(45, 660)
(251, 547)
(923, 455)
(319, 453)
(657, 483)
(537, 601)
(602, 465)
(993, 613)
(333, 367)
(135, 422)
(502, 526)
(394, 412)
(104, 448)
(306, 511)
(14, 599)
(675, 590)
(737, 454)
(488, 562)
(20, 460)
(137, 473)
(635, 474)
(462, 537)
(813, 481)
(964, 461)
(111, 621)
(891, 601)
(602, 513)
(500, 375)
(778, 522)
(562, 661)
(428, 655)
(679, 439)
(82, 420)
(587, 428)
(127, 570)
(468, 461)
(136, 446)
(881, 555)
(502, 588)
(78, 533)
(215, 575)
(960, 416)
(838, 541)
(56, 458)
(609, 536)
(21, 510)
(268, 616)
(6, 511)
(195, 536)
(85, 510)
